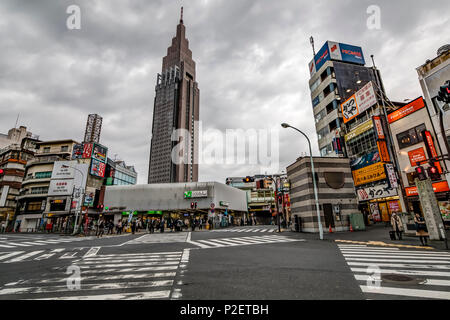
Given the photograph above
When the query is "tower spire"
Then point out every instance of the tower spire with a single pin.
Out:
(181, 18)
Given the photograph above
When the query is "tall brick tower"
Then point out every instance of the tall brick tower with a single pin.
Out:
(176, 106)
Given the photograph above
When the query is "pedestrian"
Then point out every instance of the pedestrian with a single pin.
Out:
(161, 225)
(119, 227)
(133, 226)
(397, 225)
(101, 226)
(421, 229)
(152, 225)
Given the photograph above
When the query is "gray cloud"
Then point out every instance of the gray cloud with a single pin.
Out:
(251, 59)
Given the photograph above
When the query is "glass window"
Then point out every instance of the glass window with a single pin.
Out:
(46, 150)
(410, 137)
(64, 148)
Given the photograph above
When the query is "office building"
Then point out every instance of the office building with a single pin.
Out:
(176, 106)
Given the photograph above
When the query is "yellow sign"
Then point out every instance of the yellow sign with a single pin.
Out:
(360, 129)
(369, 174)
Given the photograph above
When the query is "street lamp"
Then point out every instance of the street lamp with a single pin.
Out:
(285, 125)
(75, 228)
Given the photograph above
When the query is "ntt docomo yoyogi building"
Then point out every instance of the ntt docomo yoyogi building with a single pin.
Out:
(175, 200)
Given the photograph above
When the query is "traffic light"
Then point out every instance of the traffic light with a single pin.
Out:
(2, 172)
(444, 93)
(192, 205)
(100, 207)
(420, 173)
(433, 173)
(248, 179)
(280, 198)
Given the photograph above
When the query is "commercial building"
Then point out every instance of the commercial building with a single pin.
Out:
(211, 200)
(32, 200)
(415, 142)
(432, 75)
(337, 72)
(336, 193)
(13, 159)
(261, 199)
(176, 107)
(118, 173)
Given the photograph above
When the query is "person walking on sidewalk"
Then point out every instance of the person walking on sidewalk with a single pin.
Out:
(100, 229)
(119, 227)
(133, 226)
(421, 229)
(397, 225)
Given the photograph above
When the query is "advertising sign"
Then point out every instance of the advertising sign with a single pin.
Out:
(392, 177)
(384, 211)
(369, 174)
(98, 168)
(416, 156)
(352, 54)
(359, 130)
(87, 150)
(59, 172)
(382, 149)
(444, 206)
(322, 56)
(359, 102)
(196, 194)
(312, 68)
(437, 187)
(431, 149)
(77, 151)
(406, 110)
(378, 128)
(99, 152)
(375, 212)
(365, 161)
(335, 50)
(377, 192)
(394, 206)
(60, 187)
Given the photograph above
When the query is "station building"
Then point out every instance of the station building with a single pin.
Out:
(210, 200)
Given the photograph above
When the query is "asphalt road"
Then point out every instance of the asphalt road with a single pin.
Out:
(238, 263)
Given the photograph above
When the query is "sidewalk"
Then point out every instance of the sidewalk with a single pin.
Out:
(375, 233)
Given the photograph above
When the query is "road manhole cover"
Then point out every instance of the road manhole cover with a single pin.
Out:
(401, 278)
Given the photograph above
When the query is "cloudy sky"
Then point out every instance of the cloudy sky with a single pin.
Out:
(252, 64)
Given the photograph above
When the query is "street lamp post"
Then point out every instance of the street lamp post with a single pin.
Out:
(285, 125)
(75, 227)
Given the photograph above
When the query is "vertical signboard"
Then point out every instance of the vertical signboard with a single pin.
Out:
(378, 127)
(87, 150)
(392, 177)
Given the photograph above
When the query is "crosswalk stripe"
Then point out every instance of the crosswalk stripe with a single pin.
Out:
(122, 265)
(69, 255)
(209, 242)
(397, 260)
(96, 286)
(10, 254)
(129, 261)
(377, 255)
(429, 282)
(49, 255)
(132, 269)
(400, 265)
(143, 254)
(5, 246)
(118, 296)
(25, 256)
(407, 292)
(407, 272)
(376, 252)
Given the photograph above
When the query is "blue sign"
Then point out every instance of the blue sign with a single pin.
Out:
(322, 56)
(352, 54)
(365, 161)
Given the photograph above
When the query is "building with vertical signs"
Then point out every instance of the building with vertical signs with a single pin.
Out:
(415, 142)
(176, 106)
(93, 129)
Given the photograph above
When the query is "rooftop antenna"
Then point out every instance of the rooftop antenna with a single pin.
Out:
(311, 40)
(181, 19)
(17, 120)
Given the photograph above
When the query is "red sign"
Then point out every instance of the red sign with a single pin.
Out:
(394, 206)
(384, 153)
(437, 187)
(378, 127)
(417, 156)
(406, 110)
(431, 149)
(87, 150)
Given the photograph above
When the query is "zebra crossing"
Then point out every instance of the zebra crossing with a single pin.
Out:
(38, 255)
(241, 241)
(10, 243)
(169, 237)
(132, 276)
(245, 230)
(384, 273)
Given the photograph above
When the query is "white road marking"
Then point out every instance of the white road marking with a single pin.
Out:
(429, 282)
(92, 252)
(397, 260)
(25, 256)
(403, 256)
(407, 292)
(10, 254)
(49, 255)
(118, 296)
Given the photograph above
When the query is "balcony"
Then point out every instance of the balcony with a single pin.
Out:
(45, 159)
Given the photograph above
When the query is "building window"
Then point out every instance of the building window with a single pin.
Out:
(410, 137)
(34, 206)
(43, 175)
(64, 148)
(46, 150)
